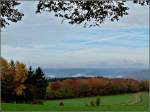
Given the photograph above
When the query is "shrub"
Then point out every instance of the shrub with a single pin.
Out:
(37, 102)
(86, 104)
(97, 102)
(92, 103)
(61, 103)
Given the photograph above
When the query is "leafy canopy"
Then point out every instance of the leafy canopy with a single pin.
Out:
(86, 12)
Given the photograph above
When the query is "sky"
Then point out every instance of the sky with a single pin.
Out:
(42, 40)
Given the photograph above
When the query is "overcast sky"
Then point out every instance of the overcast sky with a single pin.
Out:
(41, 40)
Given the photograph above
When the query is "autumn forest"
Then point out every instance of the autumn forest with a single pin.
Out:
(20, 84)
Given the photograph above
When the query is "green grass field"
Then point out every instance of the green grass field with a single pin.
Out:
(125, 102)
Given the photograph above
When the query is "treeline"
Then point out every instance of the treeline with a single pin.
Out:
(19, 84)
(74, 88)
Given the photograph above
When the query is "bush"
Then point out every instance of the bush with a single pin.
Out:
(92, 103)
(61, 103)
(86, 104)
(37, 102)
(97, 102)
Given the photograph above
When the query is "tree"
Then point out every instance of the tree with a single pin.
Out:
(30, 88)
(13, 76)
(71, 88)
(97, 102)
(30, 76)
(9, 12)
(7, 81)
(144, 85)
(19, 84)
(89, 13)
(86, 12)
(40, 83)
(12, 68)
(55, 85)
(20, 77)
(141, 2)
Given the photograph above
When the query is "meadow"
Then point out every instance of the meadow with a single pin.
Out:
(123, 102)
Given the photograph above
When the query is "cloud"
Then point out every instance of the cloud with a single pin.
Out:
(41, 39)
(85, 57)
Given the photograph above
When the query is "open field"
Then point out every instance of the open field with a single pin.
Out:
(124, 102)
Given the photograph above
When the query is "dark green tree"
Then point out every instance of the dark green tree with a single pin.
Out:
(30, 75)
(40, 83)
(30, 88)
(97, 102)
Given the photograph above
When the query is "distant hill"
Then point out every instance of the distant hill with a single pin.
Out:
(140, 75)
(135, 73)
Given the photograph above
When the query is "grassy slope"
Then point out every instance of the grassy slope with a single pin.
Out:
(108, 103)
